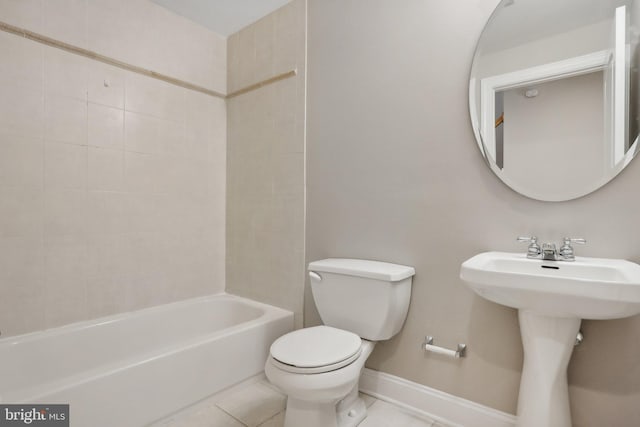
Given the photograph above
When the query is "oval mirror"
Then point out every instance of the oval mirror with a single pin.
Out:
(553, 94)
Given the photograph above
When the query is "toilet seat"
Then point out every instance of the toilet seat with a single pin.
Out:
(315, 350)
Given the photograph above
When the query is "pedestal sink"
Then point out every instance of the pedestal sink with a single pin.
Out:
(552, 297)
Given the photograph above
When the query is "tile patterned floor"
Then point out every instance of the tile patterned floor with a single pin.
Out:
(259, 404)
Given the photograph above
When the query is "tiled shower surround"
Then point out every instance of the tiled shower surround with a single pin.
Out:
(112, 184)
(115, 187)
(265, 200)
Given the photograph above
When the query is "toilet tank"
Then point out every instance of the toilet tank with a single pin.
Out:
(369, 298)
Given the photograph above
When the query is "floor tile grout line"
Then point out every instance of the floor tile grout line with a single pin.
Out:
(270, 418)
(230, 414)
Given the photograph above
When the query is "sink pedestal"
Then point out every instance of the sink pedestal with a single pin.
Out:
(566, 292)
(544, 395)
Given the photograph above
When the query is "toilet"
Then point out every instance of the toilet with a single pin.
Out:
(318, 368)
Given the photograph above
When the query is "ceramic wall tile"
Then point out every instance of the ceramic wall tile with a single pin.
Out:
(65, 74)
(22, 13)
(66, 120)
(21, 160)
(104, 172)
(26, 65)
(105, 169)
(105, 127)
(66, 20)
(65, 166)
(265, 162)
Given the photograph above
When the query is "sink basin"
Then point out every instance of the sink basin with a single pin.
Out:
(587, 288)
(552, 297)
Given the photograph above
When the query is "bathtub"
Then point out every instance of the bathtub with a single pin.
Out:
(133, 368)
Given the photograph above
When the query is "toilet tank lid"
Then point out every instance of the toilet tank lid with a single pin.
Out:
(363, 268)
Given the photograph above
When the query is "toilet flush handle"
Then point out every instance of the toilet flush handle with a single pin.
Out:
(315, 276)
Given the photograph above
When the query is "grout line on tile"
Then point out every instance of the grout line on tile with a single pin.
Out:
(269, 419)
(231, 415)
(266, 383)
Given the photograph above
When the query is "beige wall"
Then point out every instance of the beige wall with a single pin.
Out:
(394, 174)
(265, 191)
(112, 185)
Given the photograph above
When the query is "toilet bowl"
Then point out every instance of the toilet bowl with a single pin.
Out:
(321, 391)
(318, 368)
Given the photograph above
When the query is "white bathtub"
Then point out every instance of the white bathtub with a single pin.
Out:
(133, 368)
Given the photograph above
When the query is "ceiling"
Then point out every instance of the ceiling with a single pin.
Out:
(224, 17)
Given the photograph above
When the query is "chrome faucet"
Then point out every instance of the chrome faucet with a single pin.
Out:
(534, 250)
(566, 252)
(549, 251)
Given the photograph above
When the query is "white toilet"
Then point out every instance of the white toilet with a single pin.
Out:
(360, 302)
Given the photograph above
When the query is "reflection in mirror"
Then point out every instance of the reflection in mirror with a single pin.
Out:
(553, 128)
(553, 94)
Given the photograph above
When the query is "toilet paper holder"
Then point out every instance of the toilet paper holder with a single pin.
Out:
(427, 345)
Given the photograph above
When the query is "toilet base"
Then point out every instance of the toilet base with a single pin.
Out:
(349, 412)
(328, 399)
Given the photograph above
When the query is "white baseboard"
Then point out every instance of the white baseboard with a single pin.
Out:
(432, 403)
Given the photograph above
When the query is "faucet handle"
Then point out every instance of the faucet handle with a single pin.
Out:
(527, 239)
(570, 240)
(534, 250)
(566, 251)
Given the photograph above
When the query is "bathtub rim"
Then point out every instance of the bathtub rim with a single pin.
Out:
(267, 311)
